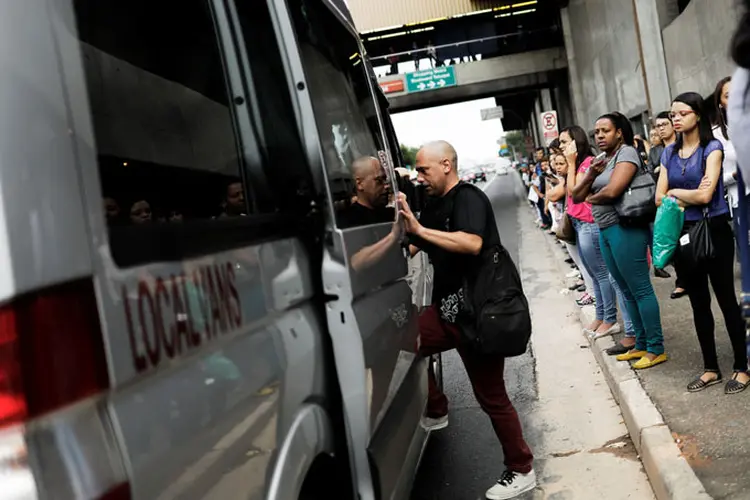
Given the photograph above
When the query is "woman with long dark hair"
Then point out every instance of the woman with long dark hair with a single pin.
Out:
(691, 174)
(575, 144)
(624, 247)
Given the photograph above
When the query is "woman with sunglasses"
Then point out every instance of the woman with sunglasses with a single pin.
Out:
(691, 174)
(624, 247)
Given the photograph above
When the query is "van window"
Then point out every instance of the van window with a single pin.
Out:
(287, 169)
(165, 135)
(346, 116)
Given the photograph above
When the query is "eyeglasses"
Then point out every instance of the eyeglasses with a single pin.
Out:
(681, 114)
(663, 124)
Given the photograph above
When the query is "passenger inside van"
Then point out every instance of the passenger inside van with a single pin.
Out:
(234, 201)
(140, 212)
(112, 211)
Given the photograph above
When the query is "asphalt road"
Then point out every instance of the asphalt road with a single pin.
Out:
(462, 461)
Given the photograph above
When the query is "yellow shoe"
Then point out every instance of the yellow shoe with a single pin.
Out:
(631, 354)
(644, 362)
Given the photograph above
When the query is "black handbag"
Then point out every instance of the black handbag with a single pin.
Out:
(495, 317)
(637, 205)
(700, 247)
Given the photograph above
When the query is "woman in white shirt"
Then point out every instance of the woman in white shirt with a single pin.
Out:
(721, 132)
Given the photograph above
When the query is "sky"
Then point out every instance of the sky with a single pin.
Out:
(460, 124)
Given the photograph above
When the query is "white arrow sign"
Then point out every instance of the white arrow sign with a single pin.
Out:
(421, 86)
(431, 84)
(441, 83)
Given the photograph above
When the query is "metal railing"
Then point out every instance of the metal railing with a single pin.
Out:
(458, 44)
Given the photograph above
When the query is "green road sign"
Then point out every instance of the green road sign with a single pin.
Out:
(431, 79)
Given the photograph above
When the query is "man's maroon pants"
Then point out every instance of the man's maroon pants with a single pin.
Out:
(486, 375)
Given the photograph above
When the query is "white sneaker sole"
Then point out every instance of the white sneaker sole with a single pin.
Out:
(513, 494)
(436, 427)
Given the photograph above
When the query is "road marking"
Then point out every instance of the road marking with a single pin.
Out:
(251, 475)
(199, 468)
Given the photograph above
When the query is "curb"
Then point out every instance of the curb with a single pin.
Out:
(670, 475)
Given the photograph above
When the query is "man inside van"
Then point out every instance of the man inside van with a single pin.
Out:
(234, 201)
(453, 227)
(372, 195)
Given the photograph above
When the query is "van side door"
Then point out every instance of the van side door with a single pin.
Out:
(370, 313)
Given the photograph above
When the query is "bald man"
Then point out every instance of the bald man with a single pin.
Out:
(455, 225)
(372, 192)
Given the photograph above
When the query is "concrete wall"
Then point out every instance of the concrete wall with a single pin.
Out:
(696, 45)
(606, 51)
(153, 119)
(685, 52)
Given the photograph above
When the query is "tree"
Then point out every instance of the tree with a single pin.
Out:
(410, 155)
(516, 141)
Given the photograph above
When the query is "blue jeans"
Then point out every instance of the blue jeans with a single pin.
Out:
(606, 289)
(624, 251)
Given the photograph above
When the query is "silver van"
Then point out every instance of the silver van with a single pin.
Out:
(188, 306)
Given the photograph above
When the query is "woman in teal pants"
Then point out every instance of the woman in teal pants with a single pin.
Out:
(623, 247)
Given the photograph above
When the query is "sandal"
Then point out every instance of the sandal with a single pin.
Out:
(699, 384)
(676, 295)
(734, 386)
(586, 300)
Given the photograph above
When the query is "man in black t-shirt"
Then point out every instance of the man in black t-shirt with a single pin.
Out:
(454, 226)
(372, 192)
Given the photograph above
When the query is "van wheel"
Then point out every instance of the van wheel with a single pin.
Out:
(327, 479)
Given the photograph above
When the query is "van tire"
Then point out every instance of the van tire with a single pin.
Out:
(327, 479)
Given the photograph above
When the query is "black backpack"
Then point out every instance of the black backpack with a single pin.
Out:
(494, 317)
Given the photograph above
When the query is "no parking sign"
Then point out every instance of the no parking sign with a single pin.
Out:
(549, 127)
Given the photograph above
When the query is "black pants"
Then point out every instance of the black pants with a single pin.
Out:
(546, 219)
(720, 270)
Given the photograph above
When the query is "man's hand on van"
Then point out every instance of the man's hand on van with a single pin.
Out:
(411, 224)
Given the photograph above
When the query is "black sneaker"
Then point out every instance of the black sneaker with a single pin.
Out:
(617, 349)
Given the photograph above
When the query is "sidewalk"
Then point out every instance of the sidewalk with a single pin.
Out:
(575, 428)
(709, 428)
(713, 428)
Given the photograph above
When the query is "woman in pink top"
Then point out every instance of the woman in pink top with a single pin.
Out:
(575, 144)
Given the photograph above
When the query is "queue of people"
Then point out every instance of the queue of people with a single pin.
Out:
(689, 157)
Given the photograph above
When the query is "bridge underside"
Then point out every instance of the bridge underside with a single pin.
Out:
(523, 84)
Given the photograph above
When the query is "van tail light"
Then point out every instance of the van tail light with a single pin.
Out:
(51, 351)
(52, 355)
